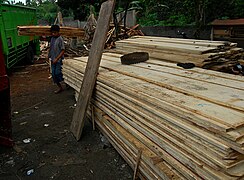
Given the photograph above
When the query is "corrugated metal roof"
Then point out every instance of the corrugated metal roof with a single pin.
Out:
(228, 22)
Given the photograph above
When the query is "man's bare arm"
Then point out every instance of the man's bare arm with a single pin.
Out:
(59, 56)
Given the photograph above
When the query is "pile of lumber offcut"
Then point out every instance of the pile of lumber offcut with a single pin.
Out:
(112, 35)
(214, 55)
(188, 124)
(123, 33)
(45, 31)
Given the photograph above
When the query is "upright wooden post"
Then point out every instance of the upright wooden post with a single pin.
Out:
(92, 66)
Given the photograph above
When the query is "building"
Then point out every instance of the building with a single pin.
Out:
(229, 29)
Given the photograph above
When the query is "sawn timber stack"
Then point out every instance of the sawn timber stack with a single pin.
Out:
(214, 55)
(189, 124)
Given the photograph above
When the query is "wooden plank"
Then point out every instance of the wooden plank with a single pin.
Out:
(123, 150)
(222, 58)
(183, 40)
(202, 170)
(179, 41)
(124, 140)
(171, 47)
(121, 46)
(156, 127)
(45, 31)
(93, 118)
(207, 123)
(163, 116)
(207, 91)
(128, 113)
(175, 70)
(122, 134)
(157, 77)
(160, 104)
(94, 59)
(168, 57)
(141, 104)
(191, 128)
(200, 71)
(135, 176)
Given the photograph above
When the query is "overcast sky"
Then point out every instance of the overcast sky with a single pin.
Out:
(23, 1)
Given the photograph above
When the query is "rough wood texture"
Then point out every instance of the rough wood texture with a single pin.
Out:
(92, 67)
(214, 55)
(45, 31)
(188, 123)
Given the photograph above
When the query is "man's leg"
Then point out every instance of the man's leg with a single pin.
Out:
(60, 88)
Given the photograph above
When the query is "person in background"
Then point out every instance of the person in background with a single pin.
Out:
(56, 55)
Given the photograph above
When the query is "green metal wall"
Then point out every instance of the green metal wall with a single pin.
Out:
(14, 46)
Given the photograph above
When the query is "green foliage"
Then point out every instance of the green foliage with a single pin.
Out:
(47, 11)
(150, 20)
(177, 20)
(19, 3)
(149, 12)
(184, 12)
(79, 8)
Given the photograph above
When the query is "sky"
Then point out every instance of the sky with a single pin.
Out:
(23, 1)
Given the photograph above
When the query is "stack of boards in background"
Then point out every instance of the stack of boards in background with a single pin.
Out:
(189, 124)
(214, 55)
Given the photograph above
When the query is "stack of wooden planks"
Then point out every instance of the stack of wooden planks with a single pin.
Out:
(45, 31)
(189, 124)
(214, 55)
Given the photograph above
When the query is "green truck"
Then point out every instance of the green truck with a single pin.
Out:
(17, 48)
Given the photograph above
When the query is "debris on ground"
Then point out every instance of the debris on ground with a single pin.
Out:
(40, 155)
(27, 141)
(30, 172)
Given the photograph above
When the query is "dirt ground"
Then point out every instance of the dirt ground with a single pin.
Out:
(53, 152)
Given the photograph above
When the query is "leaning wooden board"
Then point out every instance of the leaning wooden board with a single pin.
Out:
(92, 67)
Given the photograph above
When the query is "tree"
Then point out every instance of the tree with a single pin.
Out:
(46, 10)
(28, 2)
(183, 12)
(20, 3)
(80, 8)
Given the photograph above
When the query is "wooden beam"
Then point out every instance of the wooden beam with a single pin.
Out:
(137, 163)
(45, 31)
(93, 117)
(92, 67)
(162, 131)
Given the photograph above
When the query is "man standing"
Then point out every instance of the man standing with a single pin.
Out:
(56, 54)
